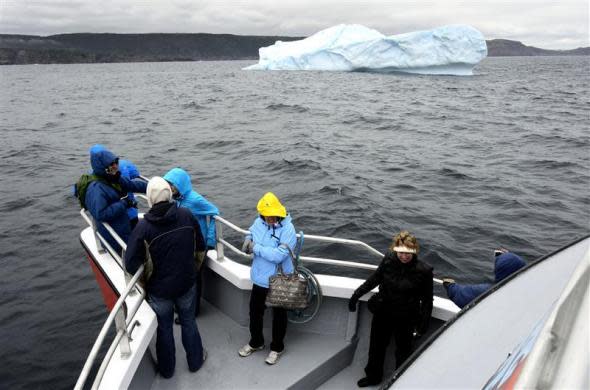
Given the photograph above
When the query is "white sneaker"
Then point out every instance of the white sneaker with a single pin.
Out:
(247, 350)
(273, 357)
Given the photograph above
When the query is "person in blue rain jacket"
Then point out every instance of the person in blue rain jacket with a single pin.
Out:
(270, 235)
(186, 196)
(506, 263)
(201, 208)
(107, 198)
(129, 171)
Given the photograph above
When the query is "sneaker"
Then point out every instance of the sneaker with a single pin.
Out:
(273, 357)
(247, 350)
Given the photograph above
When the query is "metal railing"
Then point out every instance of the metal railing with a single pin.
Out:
(119, 314)
(221, 242)
(124, 320)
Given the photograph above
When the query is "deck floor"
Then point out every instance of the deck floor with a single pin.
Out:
(225, 369)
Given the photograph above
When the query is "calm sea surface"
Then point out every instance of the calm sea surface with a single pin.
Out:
(466, 163)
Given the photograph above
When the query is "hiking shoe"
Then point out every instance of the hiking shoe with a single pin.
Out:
(248, 350)
(273, 357)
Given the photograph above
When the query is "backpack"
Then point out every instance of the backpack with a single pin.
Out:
(81, 187)
(83, 183)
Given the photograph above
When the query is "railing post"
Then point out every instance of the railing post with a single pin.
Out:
(99, 246)
(218, 243)
(121, 325)
(128, 276)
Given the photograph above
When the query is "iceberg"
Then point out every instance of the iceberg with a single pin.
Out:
(447, 50)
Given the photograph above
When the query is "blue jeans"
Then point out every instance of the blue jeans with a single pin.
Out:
(191, 339)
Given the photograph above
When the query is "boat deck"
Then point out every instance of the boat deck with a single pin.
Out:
(306, 356)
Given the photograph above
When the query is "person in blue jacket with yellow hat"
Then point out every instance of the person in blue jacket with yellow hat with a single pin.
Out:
(271, 239)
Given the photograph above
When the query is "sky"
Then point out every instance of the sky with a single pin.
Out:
(549, 24)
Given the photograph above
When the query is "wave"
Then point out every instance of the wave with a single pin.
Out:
(295, 108)
(218, 144)
(448, 172)
(193, 106)
(17, 204)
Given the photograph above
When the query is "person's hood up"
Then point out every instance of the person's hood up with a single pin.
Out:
(180, 179)
(97, 148)
(101, 160)
(270, 206)
(128, 169)
(506, 264)
(162, 213)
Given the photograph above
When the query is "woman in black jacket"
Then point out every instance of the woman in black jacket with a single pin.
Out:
(402, 305)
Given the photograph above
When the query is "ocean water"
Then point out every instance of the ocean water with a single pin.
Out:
(466, 163)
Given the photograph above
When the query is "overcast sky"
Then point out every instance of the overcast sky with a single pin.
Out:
(551, 24)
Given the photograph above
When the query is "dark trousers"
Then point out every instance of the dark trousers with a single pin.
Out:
(382, 327)
(199, 291)
(191, 339)
(279, 321)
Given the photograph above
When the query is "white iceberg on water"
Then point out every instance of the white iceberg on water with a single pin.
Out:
(450, 50)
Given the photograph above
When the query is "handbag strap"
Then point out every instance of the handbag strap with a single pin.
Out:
(294, 257)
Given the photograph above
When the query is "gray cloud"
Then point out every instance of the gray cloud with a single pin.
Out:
(549, 24)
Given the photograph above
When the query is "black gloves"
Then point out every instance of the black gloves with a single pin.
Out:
(352, 303)
(129, 203)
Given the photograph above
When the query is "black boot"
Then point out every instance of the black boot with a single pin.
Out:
(366, 381)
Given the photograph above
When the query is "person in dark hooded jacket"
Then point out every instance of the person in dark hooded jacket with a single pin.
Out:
(107, 198)
(402, 305)
(170, 236)
(506, 263)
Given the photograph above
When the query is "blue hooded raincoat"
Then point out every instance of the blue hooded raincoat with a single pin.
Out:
(195, 202)
(128, 171)
(104, 202)
(268, 252)
(505, 265)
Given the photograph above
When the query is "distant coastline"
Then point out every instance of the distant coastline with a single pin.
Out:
(106, 48)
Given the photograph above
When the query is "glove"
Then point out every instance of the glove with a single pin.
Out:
(248, 246)
(447, 282)
(352, 303)
(129, 203)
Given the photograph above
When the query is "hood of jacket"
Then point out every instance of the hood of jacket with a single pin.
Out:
(128, 169)
(101, 160)
(180, 179)
(162, 213)
(506, 264)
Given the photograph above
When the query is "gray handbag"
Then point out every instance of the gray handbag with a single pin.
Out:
(288, 291)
